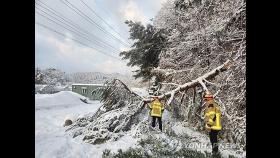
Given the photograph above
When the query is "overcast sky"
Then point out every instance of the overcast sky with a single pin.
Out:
(80, 20)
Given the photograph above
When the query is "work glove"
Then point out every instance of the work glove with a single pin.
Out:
(208, 127)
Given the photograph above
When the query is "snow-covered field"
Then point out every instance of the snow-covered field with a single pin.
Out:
(51, 140)
(50, 137)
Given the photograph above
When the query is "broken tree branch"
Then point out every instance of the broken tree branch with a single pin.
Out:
(202, 84)
(171, 98)
(193, 83)
(174, 84)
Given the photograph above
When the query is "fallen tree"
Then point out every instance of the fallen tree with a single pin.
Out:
(123, 112)
(199, 81)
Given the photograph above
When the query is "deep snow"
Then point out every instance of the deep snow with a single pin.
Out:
(51, 140)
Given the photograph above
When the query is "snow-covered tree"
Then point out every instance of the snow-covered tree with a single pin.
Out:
(38, 76)
(54, 76)
(100, 78)
(149, 42)
(50, 80)
(202, 35)
(205, 50)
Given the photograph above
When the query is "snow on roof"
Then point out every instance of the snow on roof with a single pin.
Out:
(62, 98)
(84, 84)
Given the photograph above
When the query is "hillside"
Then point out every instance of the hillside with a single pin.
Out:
(202, 35)
(99, 78)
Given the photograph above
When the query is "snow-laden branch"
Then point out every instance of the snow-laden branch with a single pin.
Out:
(202, 84)
(167, 72)
(174, 84)
(125, 86)
(171, 98)
(195, 82)
(216, 93)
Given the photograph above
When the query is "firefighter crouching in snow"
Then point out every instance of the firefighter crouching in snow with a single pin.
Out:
(212, 120)
(156, 112)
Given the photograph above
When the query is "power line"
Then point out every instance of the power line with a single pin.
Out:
(76, 26)
(96, 24)
(111, 15)
(83, 16)
(92, 21)
(58, 24)
(100, 17)
(77, 29)
(53, 30)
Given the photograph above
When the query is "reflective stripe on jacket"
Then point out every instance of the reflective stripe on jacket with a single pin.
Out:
(213, 117)
(156, 108)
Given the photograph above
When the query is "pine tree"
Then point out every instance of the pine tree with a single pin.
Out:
(149, 42)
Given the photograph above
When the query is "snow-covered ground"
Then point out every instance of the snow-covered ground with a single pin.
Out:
(51, 112)
(51, 140)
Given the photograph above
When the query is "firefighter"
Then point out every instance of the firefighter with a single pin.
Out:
(157, 109)
(212, 120)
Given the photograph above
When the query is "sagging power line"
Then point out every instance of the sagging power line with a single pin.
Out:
(90, 20)
(59, 33)
(101, 18)
(75, 29)
(70, 22)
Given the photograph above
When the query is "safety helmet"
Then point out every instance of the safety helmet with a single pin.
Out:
(208, 96)
(155, 97)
